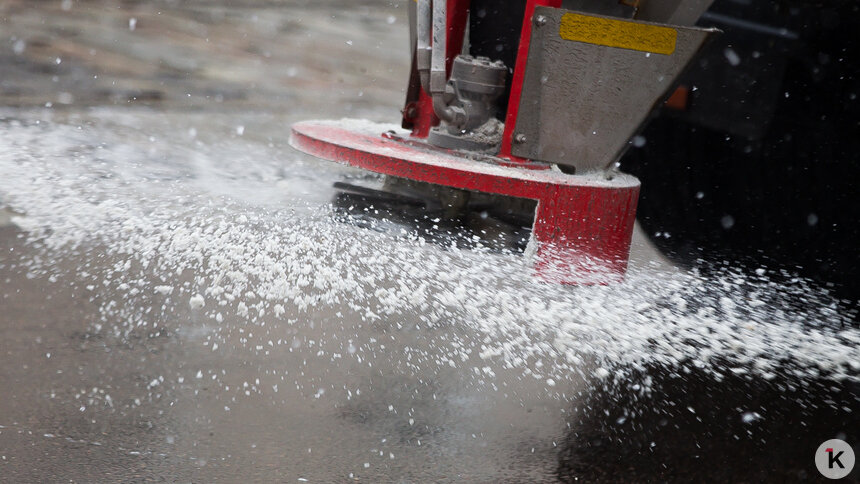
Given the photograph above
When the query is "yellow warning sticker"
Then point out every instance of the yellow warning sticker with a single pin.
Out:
(618, 33)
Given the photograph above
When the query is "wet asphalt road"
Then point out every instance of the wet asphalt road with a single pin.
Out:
(336, 398)
(82, 406)
(158, 404)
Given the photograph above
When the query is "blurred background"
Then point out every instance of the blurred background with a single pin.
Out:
(145, 154)
(261, 55)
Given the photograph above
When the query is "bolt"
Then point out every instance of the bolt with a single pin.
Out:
(540, 20)
(519, 138)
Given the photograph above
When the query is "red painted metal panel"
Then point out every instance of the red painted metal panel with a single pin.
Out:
(519, 75)
(458, 14)
(424, 118)
(583, 224)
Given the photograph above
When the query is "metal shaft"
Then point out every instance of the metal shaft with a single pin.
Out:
(438, 77)
(422, 54)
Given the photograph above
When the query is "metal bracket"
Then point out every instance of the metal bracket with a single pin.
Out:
(590, 82)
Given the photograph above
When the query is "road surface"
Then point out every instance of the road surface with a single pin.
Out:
(180, 302)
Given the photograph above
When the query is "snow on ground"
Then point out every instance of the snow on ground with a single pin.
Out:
(231, 225)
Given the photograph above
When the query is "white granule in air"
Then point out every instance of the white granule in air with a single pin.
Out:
(197, 301)
(288, 258)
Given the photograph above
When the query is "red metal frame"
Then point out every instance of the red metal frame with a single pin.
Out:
(583, 225)
(424, 117)
(457, 15)
(519, 75)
